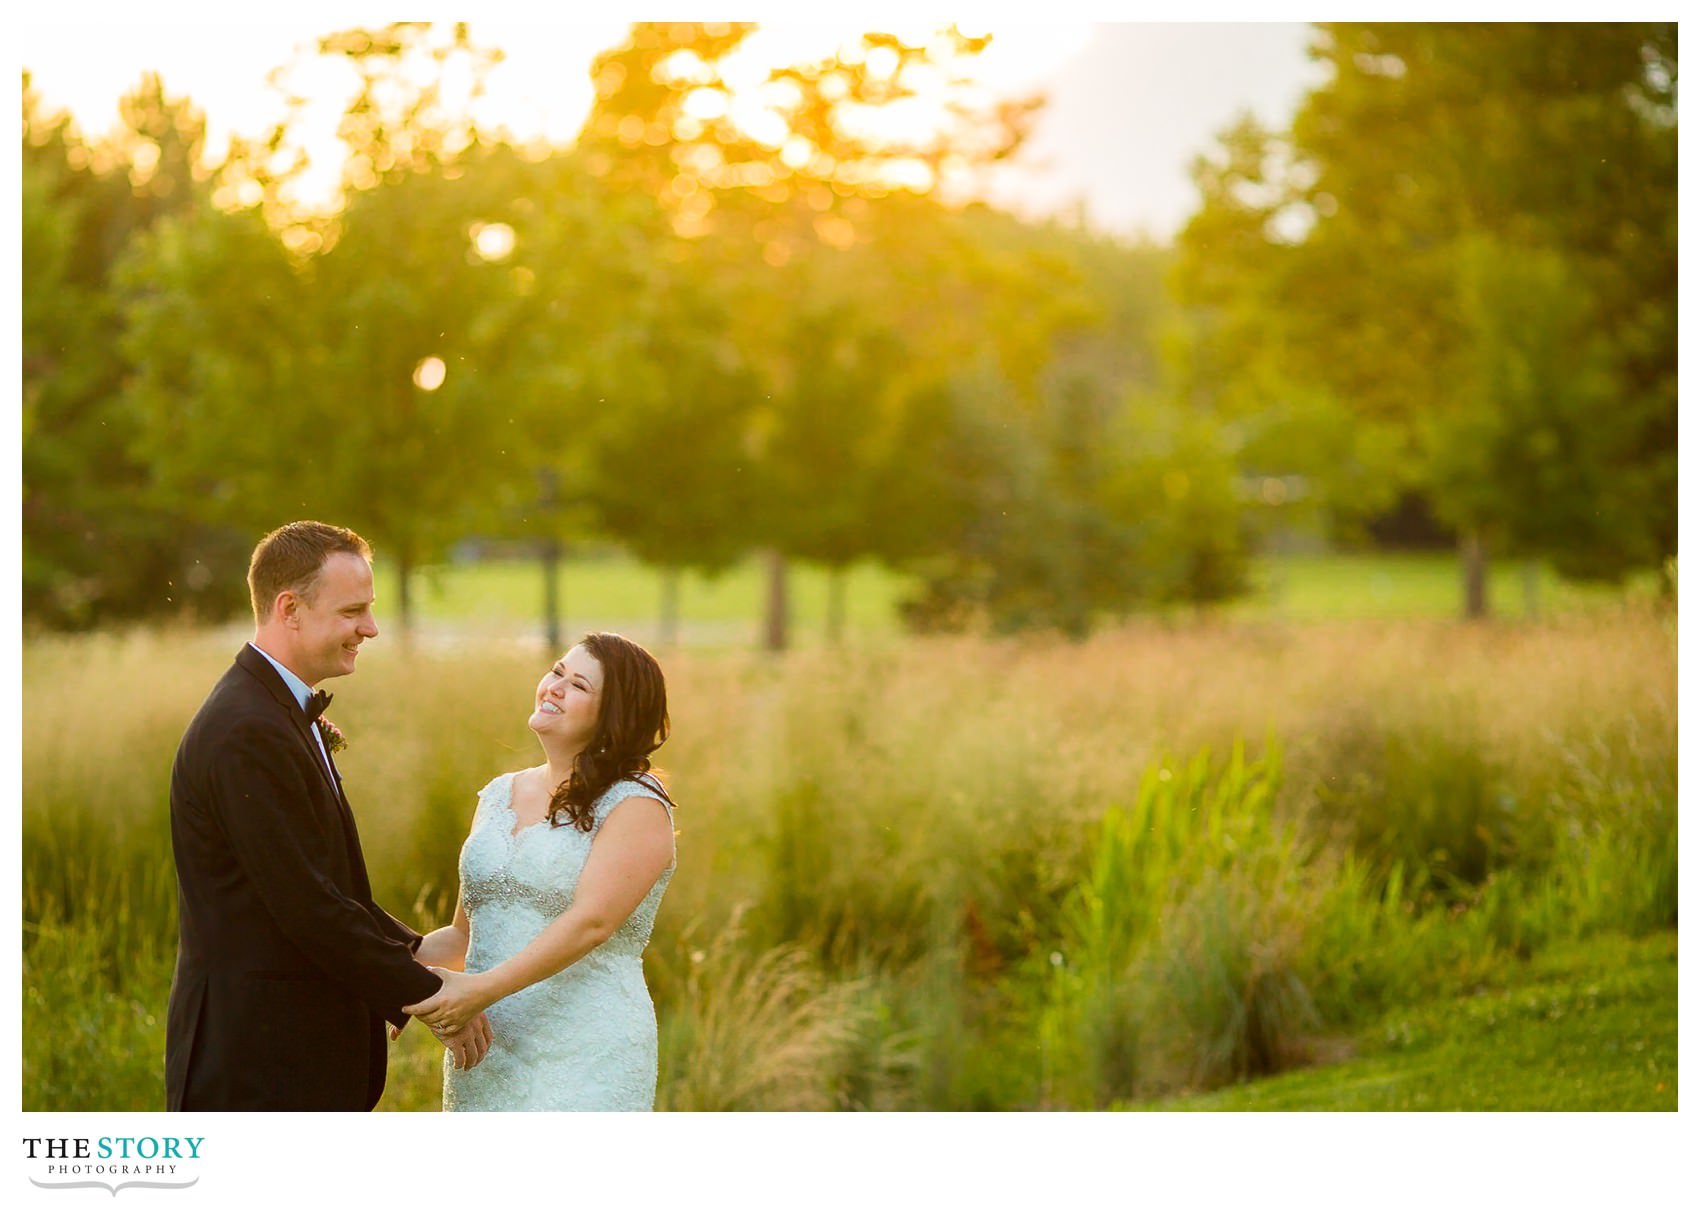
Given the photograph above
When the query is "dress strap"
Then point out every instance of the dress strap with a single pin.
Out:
(630, 787)
(653, 784)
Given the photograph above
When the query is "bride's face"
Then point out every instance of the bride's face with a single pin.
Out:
(568, 699)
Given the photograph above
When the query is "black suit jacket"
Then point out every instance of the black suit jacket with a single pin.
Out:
(286, 967)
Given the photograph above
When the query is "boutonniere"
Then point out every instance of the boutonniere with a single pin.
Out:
(334, 740)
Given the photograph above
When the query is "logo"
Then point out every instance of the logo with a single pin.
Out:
(114, 1163)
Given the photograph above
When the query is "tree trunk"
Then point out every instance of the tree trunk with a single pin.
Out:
(404, 597)
(773, 639)
(552, 596)
(836, 577)
(1532, 589)
(669, 606)
(1473, 557)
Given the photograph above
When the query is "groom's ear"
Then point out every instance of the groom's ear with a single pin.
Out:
(286, 608)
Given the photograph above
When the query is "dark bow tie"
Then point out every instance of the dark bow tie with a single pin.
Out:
(317, 702)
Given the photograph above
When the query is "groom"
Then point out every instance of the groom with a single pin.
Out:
(286, 967)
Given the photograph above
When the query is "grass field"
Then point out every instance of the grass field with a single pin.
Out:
(966, 873)
(1586, 1028)
(616, 592)
(1413, 585)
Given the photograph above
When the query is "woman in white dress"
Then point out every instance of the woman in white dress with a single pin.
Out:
(560, 878)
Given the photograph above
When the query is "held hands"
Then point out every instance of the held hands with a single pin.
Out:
(468, 1046)
(454, 1007)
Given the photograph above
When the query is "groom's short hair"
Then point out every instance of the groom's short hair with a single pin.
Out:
(290, 559)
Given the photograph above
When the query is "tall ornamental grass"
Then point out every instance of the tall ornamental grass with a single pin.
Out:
(945, 873)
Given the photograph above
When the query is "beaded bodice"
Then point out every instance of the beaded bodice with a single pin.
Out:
(536, 868)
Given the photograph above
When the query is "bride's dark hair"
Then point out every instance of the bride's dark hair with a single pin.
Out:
(631, 724)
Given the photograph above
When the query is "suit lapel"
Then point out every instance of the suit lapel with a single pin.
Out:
(269, 678)
(321, 757)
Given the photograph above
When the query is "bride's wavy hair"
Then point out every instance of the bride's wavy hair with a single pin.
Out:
(631, 724)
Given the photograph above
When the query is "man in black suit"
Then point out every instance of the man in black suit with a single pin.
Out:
(286, 967)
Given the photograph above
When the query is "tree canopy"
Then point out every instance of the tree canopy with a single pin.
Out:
(762, 313)
(1463, 255)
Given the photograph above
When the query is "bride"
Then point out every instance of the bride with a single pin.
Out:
(560, 877)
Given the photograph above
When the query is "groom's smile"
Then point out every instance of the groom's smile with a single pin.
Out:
(337, 620)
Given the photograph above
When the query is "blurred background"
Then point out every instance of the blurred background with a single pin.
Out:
(1162, 538)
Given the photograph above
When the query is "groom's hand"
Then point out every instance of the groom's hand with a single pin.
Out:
(457, 1002)
(471, 1043)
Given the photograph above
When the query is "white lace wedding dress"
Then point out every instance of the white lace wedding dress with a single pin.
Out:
(584, 1039)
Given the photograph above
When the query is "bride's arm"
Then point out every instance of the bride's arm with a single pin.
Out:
(631, 850)
(446, 946)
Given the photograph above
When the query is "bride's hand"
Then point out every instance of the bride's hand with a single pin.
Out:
(454, 1006)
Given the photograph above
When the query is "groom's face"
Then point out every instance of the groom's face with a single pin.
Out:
(336, 620)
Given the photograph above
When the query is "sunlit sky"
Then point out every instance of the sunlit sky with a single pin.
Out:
(1129, 104)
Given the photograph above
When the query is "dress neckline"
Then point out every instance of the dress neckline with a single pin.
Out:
(515, 829)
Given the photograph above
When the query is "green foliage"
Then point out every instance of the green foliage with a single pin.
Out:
(1615, 857)
(1238, 1003)
(1063, 481)
(696, 347)
(1431, 804)
(1590, 1027)
(102, 1038)
(1538, 447)
(98, 545)
(670, 337)
(1178, 953)
(1176, 488)
(1465, 244)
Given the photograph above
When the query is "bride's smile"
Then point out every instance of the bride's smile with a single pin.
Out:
(568, 699)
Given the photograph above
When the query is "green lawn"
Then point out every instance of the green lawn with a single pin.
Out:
(1589, 1028)
(615, 591)
(1403, 585)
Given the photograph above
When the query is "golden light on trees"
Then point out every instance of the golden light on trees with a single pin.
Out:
(493, 241)
(797, 152)
(705, 104)
(429, 374)
(835, 232)
(751, 115)
(774, 110)
(882, 62)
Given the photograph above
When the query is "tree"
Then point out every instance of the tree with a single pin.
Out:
(347, 386)
(1353, 260)
(97, 544)
(372, 371)
(769, 204)
(667, 455)
(1059, 481)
